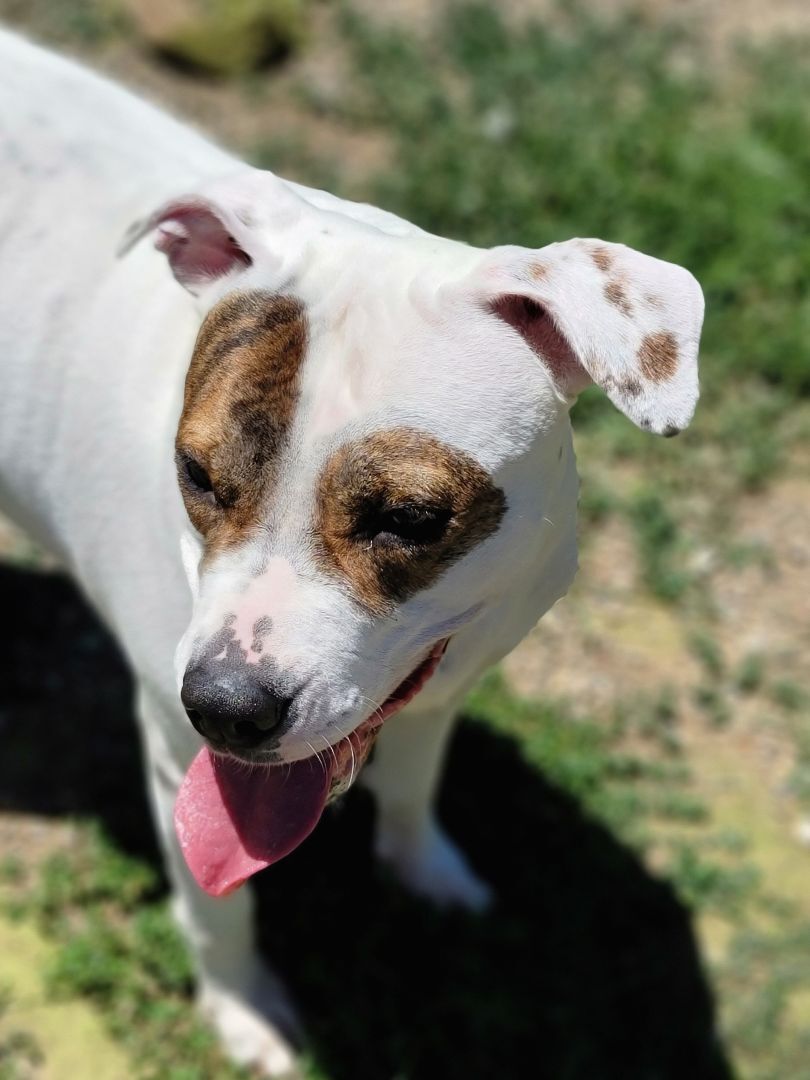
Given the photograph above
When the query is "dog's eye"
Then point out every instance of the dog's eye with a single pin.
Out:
(410, 524)
(197, 476)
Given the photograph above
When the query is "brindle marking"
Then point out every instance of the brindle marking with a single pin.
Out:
(658, 356)
(391, 469)
(240, 396)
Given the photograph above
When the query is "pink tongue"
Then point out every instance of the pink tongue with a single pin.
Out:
(233, 819)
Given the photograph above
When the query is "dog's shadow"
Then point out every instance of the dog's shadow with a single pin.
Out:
(586, 969)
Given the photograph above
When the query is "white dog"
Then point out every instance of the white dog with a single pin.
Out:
(325, 452)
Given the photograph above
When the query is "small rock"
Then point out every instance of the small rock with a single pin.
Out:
(497, 123)
(802, 832)
(222, 37)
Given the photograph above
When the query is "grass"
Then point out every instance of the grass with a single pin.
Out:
(119, 949)
(20, 1053)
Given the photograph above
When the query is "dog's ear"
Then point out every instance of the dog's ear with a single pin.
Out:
(203, 240)
(601, 313)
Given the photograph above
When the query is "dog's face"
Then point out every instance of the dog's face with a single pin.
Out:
(374, 443)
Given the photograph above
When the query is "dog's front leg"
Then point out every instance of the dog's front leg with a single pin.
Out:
(237, 993)
(404, 777)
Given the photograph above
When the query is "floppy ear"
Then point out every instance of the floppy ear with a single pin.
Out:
(202, 239)
(603, 313)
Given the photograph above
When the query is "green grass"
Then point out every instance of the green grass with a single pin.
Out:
(119, 949)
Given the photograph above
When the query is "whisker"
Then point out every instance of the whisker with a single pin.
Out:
(316, 755)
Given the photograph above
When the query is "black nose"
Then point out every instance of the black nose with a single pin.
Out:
(232, 709)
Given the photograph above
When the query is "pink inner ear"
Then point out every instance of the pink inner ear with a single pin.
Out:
(197, 244)
(536, 327)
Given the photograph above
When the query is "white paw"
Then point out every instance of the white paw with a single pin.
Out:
(434, 868)
(249, 1021)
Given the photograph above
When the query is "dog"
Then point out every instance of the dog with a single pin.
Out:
(312, 465)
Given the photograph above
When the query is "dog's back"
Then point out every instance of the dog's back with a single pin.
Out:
(90, 345)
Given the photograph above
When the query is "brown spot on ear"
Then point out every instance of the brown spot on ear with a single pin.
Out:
(603, 257)
(654, 301)
(240, 396)
(658, 356)
(538, 271)
(630, 386)
(364, 481)
(615, 294)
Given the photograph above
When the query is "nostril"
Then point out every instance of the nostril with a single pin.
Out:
(273, 713)
(248, 734)
(196, 719)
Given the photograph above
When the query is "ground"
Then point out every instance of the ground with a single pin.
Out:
(636, 779)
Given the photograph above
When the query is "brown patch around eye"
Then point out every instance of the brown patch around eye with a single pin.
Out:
(658, 356)
(393, 468)
(616, 295)
(602, 257)
(240, 397)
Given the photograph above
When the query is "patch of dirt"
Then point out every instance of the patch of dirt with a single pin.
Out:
(32, 839)
(607, 643)
(70, 1037)
(607, 638)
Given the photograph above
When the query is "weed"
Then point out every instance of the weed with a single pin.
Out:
(750, 674)
(680, 806)
(709, 884)
(596, 504)
(20, 1053)
(708, 651)
(12, 870)
(660, 546)
(789, 695)
(712, 700)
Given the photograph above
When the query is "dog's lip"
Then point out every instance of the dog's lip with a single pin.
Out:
(351, 752)
(410, 685)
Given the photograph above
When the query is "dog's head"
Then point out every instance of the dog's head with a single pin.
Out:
(374, 438)
(374, 444)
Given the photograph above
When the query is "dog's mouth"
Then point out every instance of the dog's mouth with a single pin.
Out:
(233, 819)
